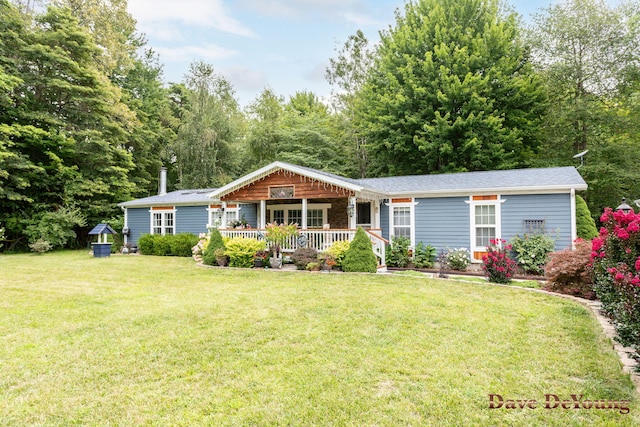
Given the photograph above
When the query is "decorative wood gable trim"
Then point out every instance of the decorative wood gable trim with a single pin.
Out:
(284, 184)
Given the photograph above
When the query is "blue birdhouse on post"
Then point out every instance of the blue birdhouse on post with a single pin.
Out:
(101, 248)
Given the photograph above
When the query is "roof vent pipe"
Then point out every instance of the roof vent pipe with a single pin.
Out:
(162, 188)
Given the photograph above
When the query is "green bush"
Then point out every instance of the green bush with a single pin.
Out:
(531, 251)
(182, 243)
(215, 242)
(145, 244)
(162, 245)
(56, 227)
(397, 253)
(242, 250)
(303, 256)
(424, 256)
(338, 250)
(585, 225)
(360, 256)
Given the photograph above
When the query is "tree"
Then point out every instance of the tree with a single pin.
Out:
(64, 126)
(265, 114)
(349, 72)
(112, 28)
(155, 130)
(211, 126)
(588, 53)
(451, 89)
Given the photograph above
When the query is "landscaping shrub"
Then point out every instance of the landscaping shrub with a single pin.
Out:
(360, 256)
(182, 243)
(424, 256)
(615, 258)
(531, 251)
(338, 250)
(145, 244)
(215, 242)
(585, 225)
(56, 228)
(303, 256)
(242, 250)
(161, 245)
(458, 259)
(568, 271)
(496, 264)
(397, 252)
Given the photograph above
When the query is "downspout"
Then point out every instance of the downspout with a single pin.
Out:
(574, 229)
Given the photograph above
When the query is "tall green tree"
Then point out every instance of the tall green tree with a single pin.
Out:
(209, 131)
(348, 73)
(63, 121)
(451, 89)
(265, 116)
(154, 132)
(588, 52)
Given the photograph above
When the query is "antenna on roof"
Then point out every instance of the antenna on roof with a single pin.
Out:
(581, 157)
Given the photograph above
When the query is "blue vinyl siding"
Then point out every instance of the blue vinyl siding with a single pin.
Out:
(554, 209)
(442, 222)
(191, 219)
(139, 222)
(250, 213)
(384, 220)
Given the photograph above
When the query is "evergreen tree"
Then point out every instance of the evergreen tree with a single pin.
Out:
(451, 89)
(360, 257)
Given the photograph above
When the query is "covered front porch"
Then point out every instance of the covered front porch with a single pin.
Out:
(326, 208)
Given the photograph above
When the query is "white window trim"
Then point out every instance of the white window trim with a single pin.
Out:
(223, 221)
(164, 220)
(298, 206)
(412, 217)
(472, 221)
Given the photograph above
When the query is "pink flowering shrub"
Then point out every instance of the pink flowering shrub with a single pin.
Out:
(615, 258)
(496, 264)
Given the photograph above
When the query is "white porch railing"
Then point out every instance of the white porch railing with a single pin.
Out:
(318, 239)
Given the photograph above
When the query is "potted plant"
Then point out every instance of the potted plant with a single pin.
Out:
(277, 236)
(260, 258)
(221, 257)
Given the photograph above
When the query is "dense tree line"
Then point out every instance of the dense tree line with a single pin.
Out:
(86, 119)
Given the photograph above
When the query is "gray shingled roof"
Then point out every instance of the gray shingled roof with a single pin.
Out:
(558, 177)
(564, 178)
(179, 197)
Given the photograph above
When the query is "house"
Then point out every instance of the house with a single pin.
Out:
(446, 211)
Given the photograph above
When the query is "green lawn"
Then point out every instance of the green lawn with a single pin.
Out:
(133, 340)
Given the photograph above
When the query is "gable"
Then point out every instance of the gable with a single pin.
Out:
(283, 184)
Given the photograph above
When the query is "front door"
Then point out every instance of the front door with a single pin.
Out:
(363, 214)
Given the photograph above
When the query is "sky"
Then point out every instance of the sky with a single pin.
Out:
(284, 45)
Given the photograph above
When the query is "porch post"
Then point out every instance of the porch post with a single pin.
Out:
(353, 219)
(224, 215)
(304, 214)
(262, 221)
(375, 206)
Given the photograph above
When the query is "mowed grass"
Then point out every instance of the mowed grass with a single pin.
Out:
(134, 340)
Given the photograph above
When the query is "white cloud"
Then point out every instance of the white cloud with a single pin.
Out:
(152, 14)
(208, 52)
(296, 9)
(245, 79)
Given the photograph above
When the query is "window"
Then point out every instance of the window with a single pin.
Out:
(217, 215)
(277, 216)
(315, 218)
(294, 216)
(402, 221)
(485, 221)
(232, 216)
(317, 214)
(162, 222)
(533, 226)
